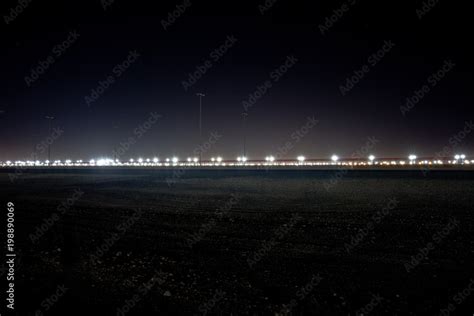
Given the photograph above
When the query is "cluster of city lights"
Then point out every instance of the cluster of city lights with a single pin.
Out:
(244, 161)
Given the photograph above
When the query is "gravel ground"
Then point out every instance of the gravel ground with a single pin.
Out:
(238, 242)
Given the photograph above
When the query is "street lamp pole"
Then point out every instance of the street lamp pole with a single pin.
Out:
(244, 119)
(50, 118)
(200, 95)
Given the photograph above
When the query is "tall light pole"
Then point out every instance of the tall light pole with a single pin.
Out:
(200, 95)
(244, 132)
(50, 118)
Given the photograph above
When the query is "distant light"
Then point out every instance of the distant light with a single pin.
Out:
(412, 157)
(371, 157)
(131, 160)
(270, 158)
(195, 159)
(148, 160)
(47, 161)
(92, 161)
(175, 160)
(189, 159)
(167, 160)
(301, 158)
(457, 157)
(244, 159)
(219, 159)
(155, 160)
(213, 159)
(140, 160)
(239, 158)
(334, 158)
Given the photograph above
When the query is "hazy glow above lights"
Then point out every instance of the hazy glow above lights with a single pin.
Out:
(334, 158)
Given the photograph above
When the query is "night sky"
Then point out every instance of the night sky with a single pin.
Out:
(163, 53)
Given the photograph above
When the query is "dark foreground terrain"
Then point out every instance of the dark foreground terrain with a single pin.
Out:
(242, 242)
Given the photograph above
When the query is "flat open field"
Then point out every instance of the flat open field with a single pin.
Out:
(243, 242)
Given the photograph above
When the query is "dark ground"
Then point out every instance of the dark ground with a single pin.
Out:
(304, 263)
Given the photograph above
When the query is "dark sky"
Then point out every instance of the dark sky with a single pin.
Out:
(311, 87)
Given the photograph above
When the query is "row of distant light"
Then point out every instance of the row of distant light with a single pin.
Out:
(214, 160)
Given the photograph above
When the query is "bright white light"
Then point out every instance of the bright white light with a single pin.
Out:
(270, 158)
(244, 159)
(301, 158)
(219, 159)
(239, 158)
(140, 160)
(213, 159)
(131, 160)
(334, 158)
(412, 157)
(155, 160)
(92, 161)
(463, 156)
(148, 160)
(47, 162)
(457, 157)
(175, 159)
(371, 157)
(195, 159)
(189, 159)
